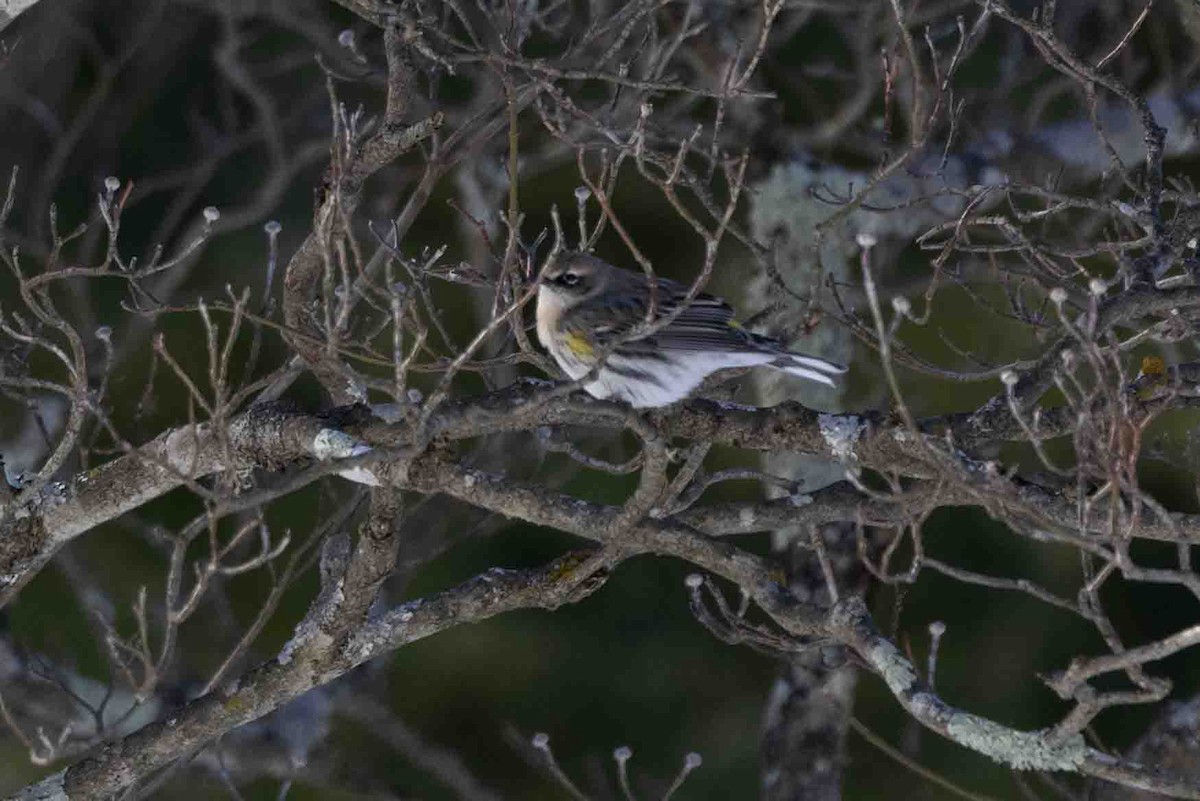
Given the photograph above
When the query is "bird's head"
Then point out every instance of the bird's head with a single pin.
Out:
(575, 277)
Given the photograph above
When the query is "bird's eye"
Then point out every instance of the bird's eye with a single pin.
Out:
(569, 279)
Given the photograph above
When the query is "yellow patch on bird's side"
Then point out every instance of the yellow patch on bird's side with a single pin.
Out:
(735, 324)
(1152, 379)
(577, 343)
(1153, 365)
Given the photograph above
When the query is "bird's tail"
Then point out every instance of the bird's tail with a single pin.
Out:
(809, 367)
(800, 365)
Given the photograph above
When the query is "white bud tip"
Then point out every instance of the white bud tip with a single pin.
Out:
(1097, 287)
(541, 741)
(1058, 295)
(866, 241)
(104, 332)
(647, 109)
(346, 38)
(211, 214)
(1192, 243)
(693, 761)
(1008, 378)
(112, 183)
(901, 304)
(582, 193)
(937, 628)
(693, 581)
(622, 753)
(272, 227)
(415, 396)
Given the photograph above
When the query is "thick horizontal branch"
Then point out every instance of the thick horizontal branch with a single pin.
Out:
(33, 527)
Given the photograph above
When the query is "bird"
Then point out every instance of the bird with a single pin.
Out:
(590, 311)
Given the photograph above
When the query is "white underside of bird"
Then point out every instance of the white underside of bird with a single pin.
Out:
(674, 379)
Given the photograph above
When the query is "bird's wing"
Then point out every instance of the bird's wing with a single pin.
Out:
(704, 323)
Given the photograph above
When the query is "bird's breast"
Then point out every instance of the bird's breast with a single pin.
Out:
(549, 312)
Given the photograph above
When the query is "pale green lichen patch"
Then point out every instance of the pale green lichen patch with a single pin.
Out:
(895, 669)
(1022, 750)
(332, 444)
(841, 433)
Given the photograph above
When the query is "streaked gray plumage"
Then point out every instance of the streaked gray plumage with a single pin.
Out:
(587, 308)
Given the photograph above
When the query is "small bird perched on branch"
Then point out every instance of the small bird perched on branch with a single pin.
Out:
(590, 312)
